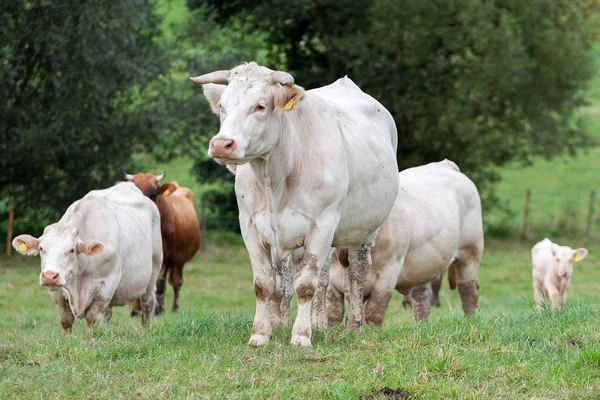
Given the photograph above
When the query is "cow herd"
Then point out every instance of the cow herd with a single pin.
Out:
(318, 191)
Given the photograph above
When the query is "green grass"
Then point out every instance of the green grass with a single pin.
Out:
(507, 350)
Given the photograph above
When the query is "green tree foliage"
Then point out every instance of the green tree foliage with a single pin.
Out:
(73, 74)
(480, 82)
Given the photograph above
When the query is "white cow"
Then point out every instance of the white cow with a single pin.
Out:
(436, 221)
(105, 251)
(552, 271)
(315, 168)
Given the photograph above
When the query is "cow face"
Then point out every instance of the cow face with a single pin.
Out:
(147, 183)
(60, 251)
(250, 109)
(564, 257)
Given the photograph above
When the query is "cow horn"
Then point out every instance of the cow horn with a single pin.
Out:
(161, 176)
(214, 77)
(283, 78)
(129, 177)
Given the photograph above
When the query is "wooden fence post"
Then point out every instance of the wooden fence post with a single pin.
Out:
(525, 215)
(9, 231)
(590, 221)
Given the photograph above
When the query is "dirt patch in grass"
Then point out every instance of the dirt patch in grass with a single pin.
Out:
(387, 393)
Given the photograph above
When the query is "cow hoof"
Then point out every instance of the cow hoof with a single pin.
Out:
(301, 340)
(134, 313)
(158, 311)
(258, 340)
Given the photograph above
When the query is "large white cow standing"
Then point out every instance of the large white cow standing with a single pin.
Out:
(436, 221)
(105, 251)
(552, 271)
(316, 169)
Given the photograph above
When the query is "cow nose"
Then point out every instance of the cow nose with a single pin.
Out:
(220, 147)
(564, 274)
(50, 277)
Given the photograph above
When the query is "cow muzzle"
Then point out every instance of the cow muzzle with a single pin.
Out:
(221, 148)
(50, 279)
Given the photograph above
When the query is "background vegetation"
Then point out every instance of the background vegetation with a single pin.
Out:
(94, 89)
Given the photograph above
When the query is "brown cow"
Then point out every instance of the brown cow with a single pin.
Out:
(179, 228)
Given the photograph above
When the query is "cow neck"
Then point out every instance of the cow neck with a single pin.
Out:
(272, 171)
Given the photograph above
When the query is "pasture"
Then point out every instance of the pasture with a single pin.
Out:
(507, 350)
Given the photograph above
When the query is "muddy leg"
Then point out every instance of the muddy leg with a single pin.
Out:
(65, 315)
(420, 295)
(98, 313)
(359, 258)
(319, 308)
(282, 295)
(335, 305)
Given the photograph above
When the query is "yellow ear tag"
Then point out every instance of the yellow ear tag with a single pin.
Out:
(22, 247)
(577, 258)
(166, 192)
(288, 106)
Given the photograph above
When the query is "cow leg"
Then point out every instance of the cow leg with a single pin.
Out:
(467, 266)
(176, 281)
(160, 289)
(65, 315)
(381, 294)
(420, 295)
(335, 305)
(147, 303)
(436, 284)
(359, 258)
(319, 309)
(282, 295)
(538, 296)
(407, 298)
(554, 296)
(98, 313)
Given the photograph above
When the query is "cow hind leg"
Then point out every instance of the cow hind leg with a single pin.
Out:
(436, 284)
(359, 258)
(334, 305)
(467, 266)
(380, 295)
(537, 294)
(160, 289)
(420, 295)
(176, 281)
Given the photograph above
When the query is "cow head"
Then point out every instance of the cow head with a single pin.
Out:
(147, 183)
(564, 256)
(250, 109)
(61, 252)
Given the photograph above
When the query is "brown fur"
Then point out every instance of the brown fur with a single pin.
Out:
(452, 276)
(179, 229)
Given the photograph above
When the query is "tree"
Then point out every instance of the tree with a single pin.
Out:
(481, 82)
(72, 78)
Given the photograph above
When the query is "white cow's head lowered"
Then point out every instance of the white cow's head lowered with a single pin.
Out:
(60, 250)
(250, 108)
(564, 256)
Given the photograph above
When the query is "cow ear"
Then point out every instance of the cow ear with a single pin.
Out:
(579, 254)
(27, 245)
(287, 98)
(90, 247)
(213, 93)
(166, 189)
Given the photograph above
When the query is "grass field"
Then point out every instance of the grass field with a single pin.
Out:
(506, 351)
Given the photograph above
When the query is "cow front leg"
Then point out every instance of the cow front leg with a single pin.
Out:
(160, 289)
(98, 313)
(65, 315)
(359, 259)
(282, 295)
(319, 304)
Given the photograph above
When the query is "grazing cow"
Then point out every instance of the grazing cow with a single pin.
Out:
(436, 222)
(552, 271)
(105, 251)
(179, 227)
(316, 169)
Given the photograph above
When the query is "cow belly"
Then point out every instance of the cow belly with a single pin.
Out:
(424, 265)
(134, 283)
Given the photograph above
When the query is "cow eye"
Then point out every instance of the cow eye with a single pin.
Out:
(260, 107)
(41, 249)
(71, 251)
